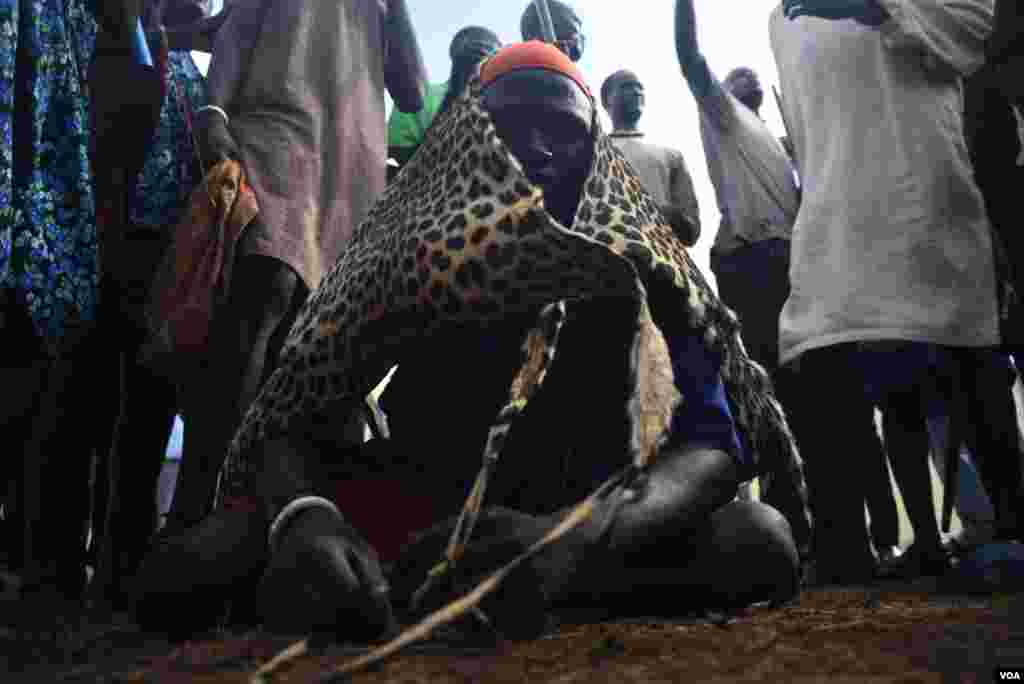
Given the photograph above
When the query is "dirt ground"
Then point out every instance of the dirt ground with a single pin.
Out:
(898, 633)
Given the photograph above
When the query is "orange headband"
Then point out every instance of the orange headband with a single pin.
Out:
(532, 54)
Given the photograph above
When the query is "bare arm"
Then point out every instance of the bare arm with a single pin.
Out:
(714, 103)
(691, 61)
(404, 72)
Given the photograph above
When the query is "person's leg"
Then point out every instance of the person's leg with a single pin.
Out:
(744, 553)
(907, 440)
(833, 443)
(748, 556)
(143, 434)
(783, 494)
(67, 449)
(321, 574)
(263, 297)
(994, 438)
(754, 282)
(879, 494)
(977, 517)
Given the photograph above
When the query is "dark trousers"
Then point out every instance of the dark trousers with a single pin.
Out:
(994, 438)
(754, 282)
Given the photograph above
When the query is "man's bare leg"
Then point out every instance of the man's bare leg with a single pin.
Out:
(265, 294)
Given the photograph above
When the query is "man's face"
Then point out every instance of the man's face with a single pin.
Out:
(569, 36)
(545, 120)
(746, 88)
(627, 99)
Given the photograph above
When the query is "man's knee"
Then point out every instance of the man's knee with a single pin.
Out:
(753, 556)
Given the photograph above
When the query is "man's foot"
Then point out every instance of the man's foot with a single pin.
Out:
(518, 608)
(888, 555)
(968, 539)
(915, 562)
(324, 577)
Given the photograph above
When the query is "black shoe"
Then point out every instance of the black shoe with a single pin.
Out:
(915, 562)
(968, 539)
(889, 554)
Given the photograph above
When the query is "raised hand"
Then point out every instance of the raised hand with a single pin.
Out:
(864, 11)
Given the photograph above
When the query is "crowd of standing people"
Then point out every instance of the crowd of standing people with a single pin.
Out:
(528, 275)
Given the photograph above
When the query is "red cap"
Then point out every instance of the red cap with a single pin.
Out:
(532, 54)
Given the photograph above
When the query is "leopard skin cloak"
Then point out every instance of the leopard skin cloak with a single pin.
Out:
(462, 235)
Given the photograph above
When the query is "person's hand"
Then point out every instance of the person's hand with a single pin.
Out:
(324, 577)
(216, 144)
(864, 11)
(684, 228)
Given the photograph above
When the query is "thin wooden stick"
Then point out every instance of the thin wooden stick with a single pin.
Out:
(288, 655)
(463, 605)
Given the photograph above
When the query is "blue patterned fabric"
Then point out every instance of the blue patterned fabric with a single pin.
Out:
(47, 214)
(170, 174)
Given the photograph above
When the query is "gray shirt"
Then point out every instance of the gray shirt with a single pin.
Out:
(662, 171)
(751, 172)
(892, 241)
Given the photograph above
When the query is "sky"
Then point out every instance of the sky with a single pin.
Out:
(639, 36)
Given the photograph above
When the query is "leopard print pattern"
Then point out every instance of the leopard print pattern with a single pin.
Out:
(462, 235)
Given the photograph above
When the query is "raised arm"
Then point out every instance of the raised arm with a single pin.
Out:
(691, 61)
(404, 72)
(714, 102)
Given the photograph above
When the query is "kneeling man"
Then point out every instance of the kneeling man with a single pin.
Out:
(518, 221)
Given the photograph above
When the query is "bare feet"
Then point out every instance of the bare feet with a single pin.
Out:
(324, 577)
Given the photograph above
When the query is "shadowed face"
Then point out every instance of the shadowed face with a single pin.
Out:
(545, 119)
(625, 102)
(568, 28)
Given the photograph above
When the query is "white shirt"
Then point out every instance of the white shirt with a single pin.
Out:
(753, 178)
(892, 241)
